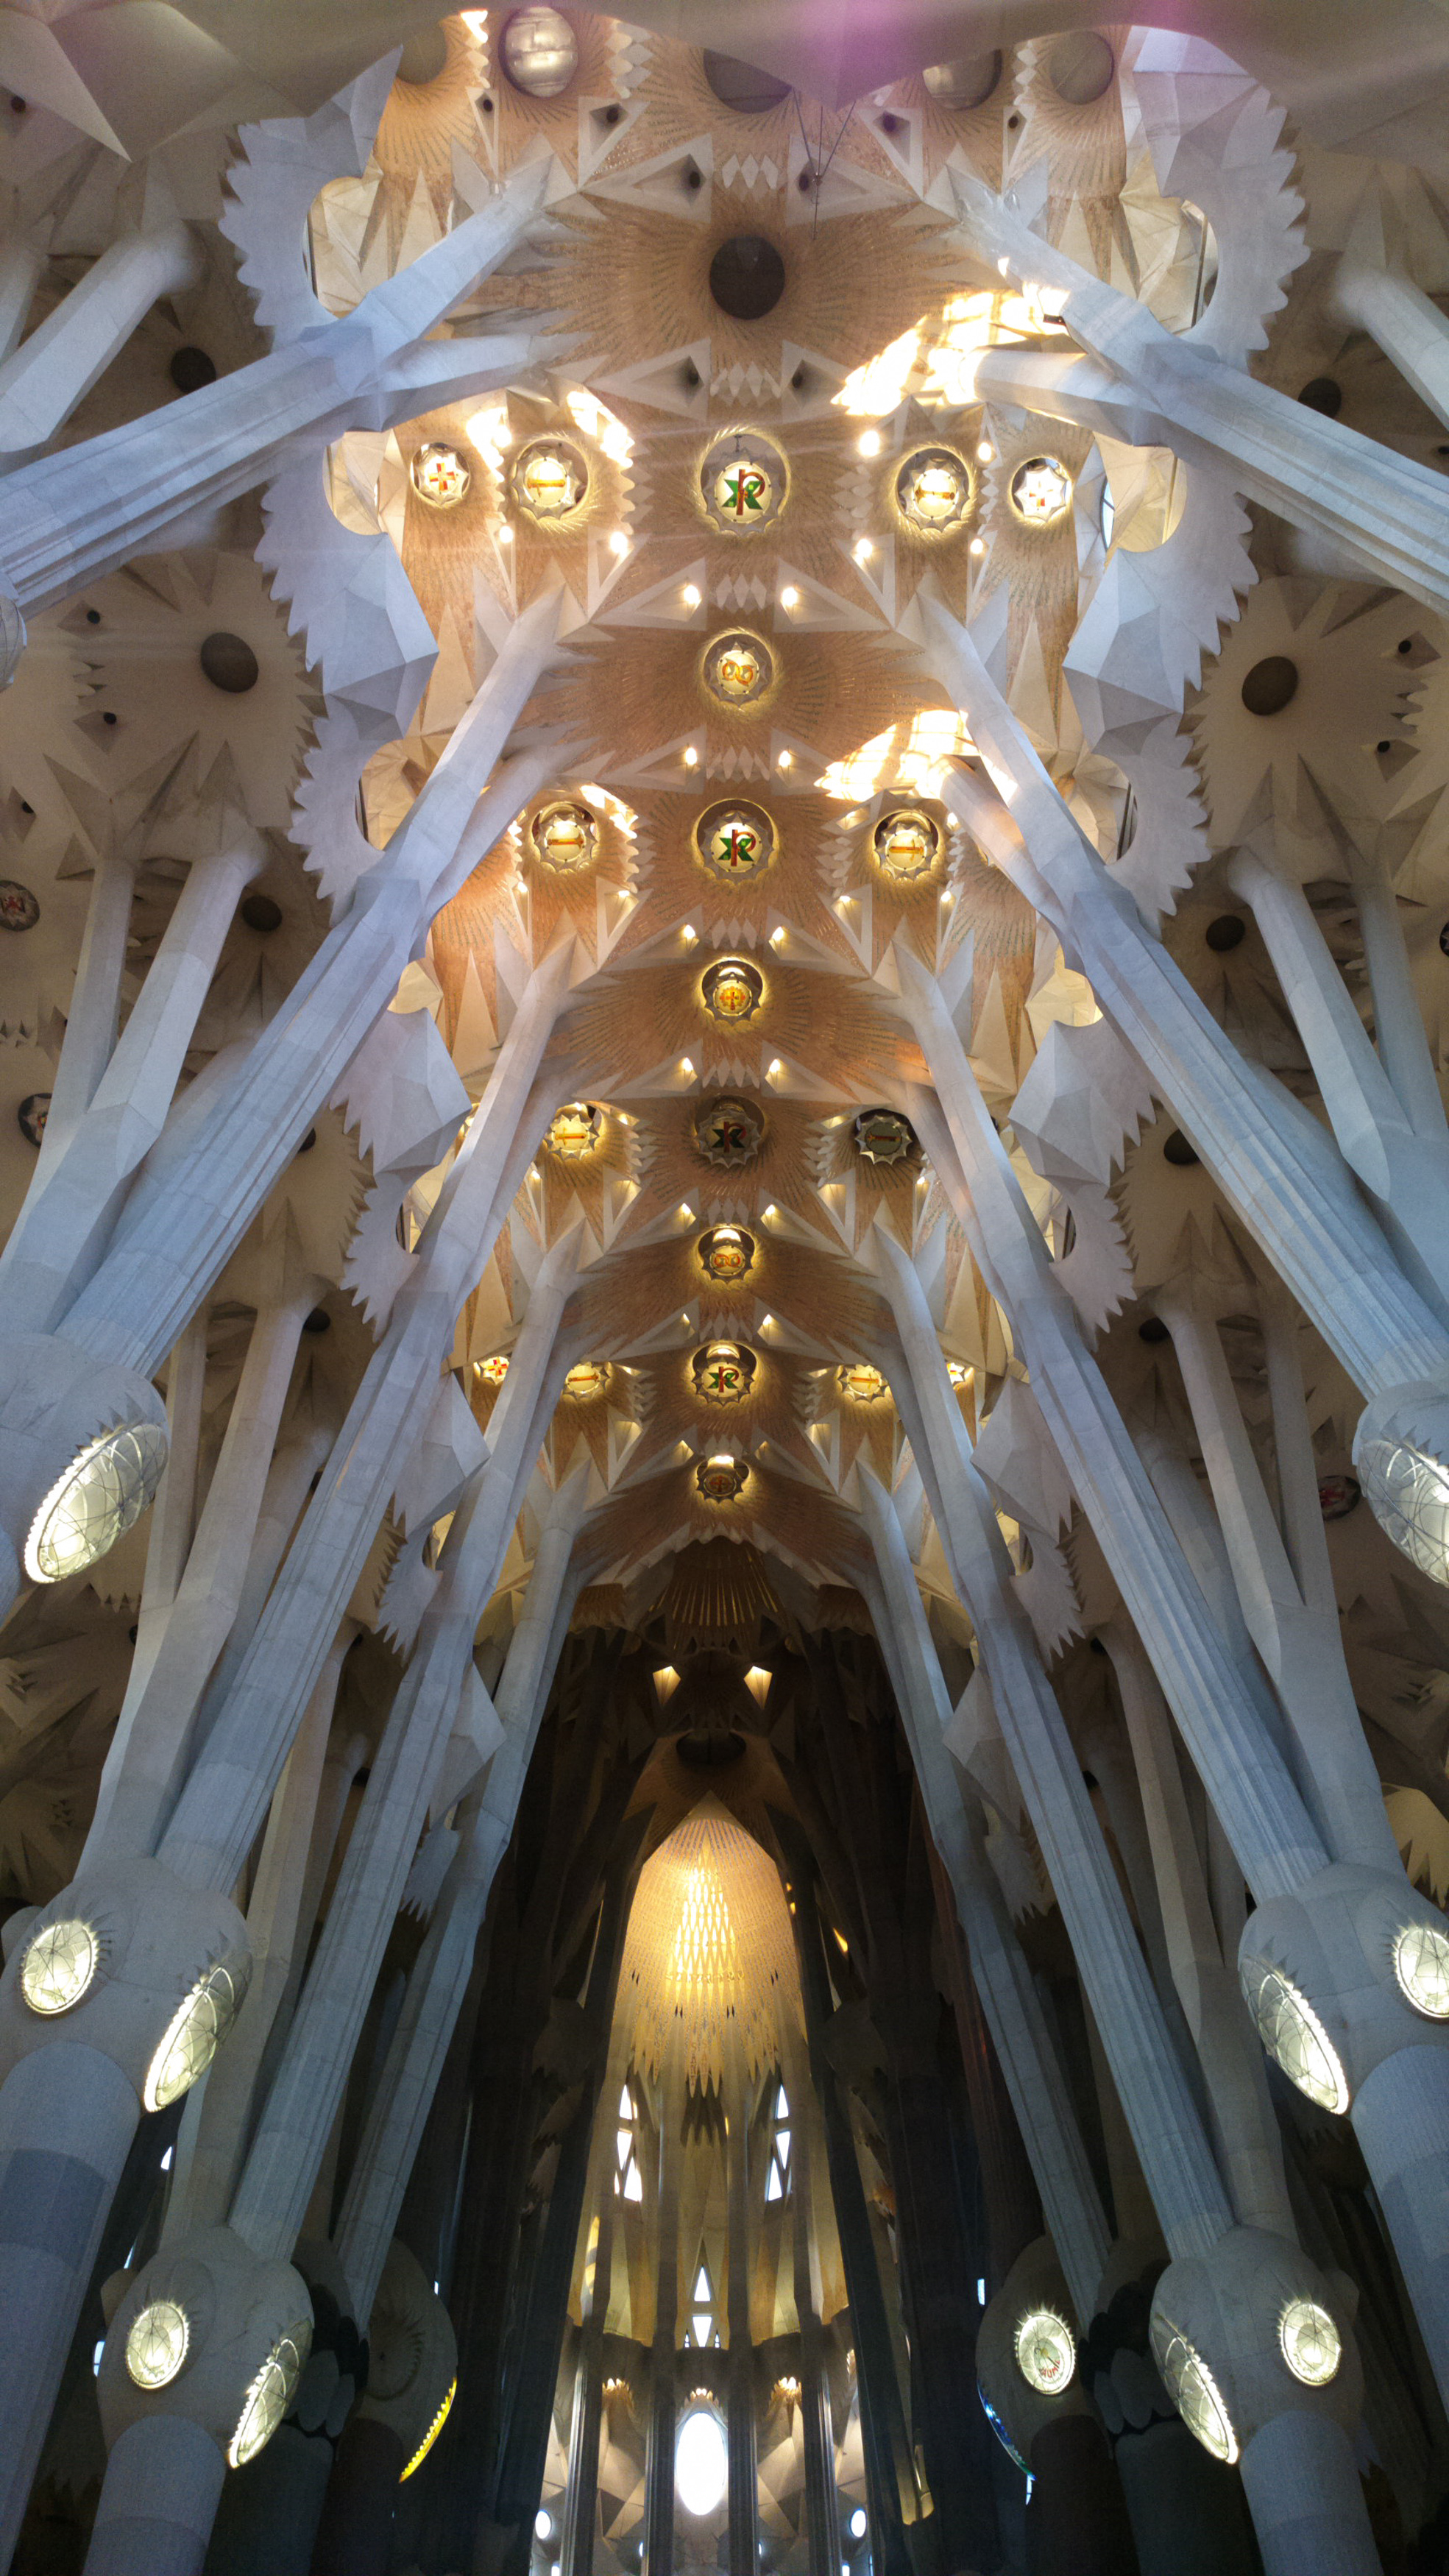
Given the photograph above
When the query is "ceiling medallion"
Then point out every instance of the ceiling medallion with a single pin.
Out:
(19, 909)
(565, 837)
(550, 477)
(721, 1480)
(1338, 1496)
(906, 843)
(735, 841)
(959, 1374)
(576, 1132)
(587, 1381)
(439, 476)
(934, 490)
(864, 1385)
(883, 1136)
(738, 669)
(729, 1132)
(723, 1372)
(1041, 492)
(731, 989)
(742, 481)
(726, 1254)
(540, 51)
(492, 1371)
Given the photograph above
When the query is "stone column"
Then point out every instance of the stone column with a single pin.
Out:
(90, 1028)
(80, 512)
(822, 2512)
(520, 2470)
(658, 2555)
(53, 2207)
(740, 2358)
(226, 1793)
(439, 1980)
(265, 2222)
(1204, 2298)
(1403, 1164)
(581, 2499)
(189, 1207)
(73, 2097)
(308, 2087)
(162, 2489)
(70, 1207)
(55, 368)
(889, 2462)
(1284, 1584)
(1151, 386)
(1408, 325)
(155, 1732)
(1271, 1159)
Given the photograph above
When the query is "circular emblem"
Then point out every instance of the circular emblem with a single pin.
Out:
(157, 2343)
(742, 481)
(729, 1132)
(587, 1381)
(906, 843)
(864, 1385)
(492, 1371)
(721, 1480)
(565, 837)
(1046, 2351)
(1041, 491)
(576, 1131)
(58, 1965)
(934, 490)
(883, 1136)
(440, 476)
(19, 909)
(32, 1114)
(735, 841)
(732, 989)
(550, 477)
(726, 1254)
(723, 1373)
(1337, 1496)
(738, 669)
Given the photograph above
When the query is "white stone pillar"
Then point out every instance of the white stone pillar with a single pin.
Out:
(217, 2120)
(1239, 2108)
(1024, 2048)
(56, 367)
(439, 1981)
(1153, 387)
(1230, 2281)
(154, 1734)
(226, 1795)
(90, 1025)
(201, 1185)
(1271, 1159)
(1262, 1812)
(1285, 1588)
(1177, 2163)
(1403, 1167)
(69, 1209)
(74, 515)
(293, 2126)
(1408, 325)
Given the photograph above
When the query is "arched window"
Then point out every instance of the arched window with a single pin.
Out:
(777, 2182)
(628, 2178)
